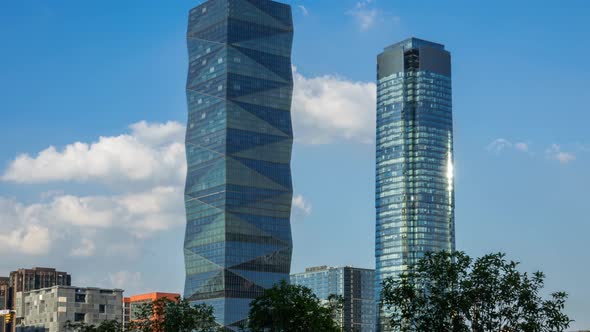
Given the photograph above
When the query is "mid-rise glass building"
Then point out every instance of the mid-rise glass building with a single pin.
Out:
(355, 285)
(238, 146)
(414, 167)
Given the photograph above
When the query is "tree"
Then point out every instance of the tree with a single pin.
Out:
(105, 326)
(452, 292)
(293, 308)
(165, 315)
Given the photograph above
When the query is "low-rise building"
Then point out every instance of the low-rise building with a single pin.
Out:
(4, 299)
(24, 280)
(132, 304)
(48, 309)
(355, 285)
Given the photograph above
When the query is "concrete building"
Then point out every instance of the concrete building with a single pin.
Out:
(131, 305)
(48, 309)
(353, 284)
(4, 297)
(25, 280)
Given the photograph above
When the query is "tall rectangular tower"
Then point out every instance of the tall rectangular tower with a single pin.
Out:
(355, 285)
(414, 175)
(238, 145)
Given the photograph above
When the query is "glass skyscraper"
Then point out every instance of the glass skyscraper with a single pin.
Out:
(238, 146)
(355, 285)
(414, 167)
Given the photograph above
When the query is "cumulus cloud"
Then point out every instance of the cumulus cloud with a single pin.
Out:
(139, 215)
(29, 240)
(329, 108)
(364, 14)
(301, 207)
(123, 279)
(501, 144)
(150, 153)
(87, 248)
(555, 152)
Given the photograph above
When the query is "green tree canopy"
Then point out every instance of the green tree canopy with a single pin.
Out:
(293, 308)
(105, 326)
(452, 292)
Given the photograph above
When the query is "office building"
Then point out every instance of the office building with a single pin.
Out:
(355, 285)
(47, 309)
(238, 144)
(132, 305)
(24, 280)
(414, 167)
(4, 298)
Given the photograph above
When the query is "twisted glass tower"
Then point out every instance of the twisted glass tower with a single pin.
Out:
(238, 146)
(414, 170)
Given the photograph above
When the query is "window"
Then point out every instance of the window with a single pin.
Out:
(102, 308)
(80, 298)
(79, 317)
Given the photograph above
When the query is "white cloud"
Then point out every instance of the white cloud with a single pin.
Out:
(301, 207)
(36, 227)
(501, 144)
(303, 10)
(329, 108)
(151, 153)
(364, 15)
(87, 248)
(123, 279)
(29, 240)
(554, 152)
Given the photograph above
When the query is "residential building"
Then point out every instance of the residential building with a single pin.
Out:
(132, 304)
(414, 168)
(355, 285)
(238, 144)
(48, 309)
(24, 280)
(4, 298)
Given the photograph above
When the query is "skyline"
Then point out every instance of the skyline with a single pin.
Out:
(506, 86)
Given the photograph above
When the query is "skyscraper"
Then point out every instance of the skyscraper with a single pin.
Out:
(355, 285)
(238, 144)
(414, 168)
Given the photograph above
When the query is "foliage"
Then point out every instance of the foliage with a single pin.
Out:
(452, 292)
(105, 326)
(293, 308)
(165, 315)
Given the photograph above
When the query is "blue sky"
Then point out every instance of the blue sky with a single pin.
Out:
(85, 71)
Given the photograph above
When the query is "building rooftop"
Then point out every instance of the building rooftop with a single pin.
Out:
(414, 43)
(326, 268)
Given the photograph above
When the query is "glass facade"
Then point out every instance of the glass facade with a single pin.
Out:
(238, 144)
(355, 285)
(414, 166)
